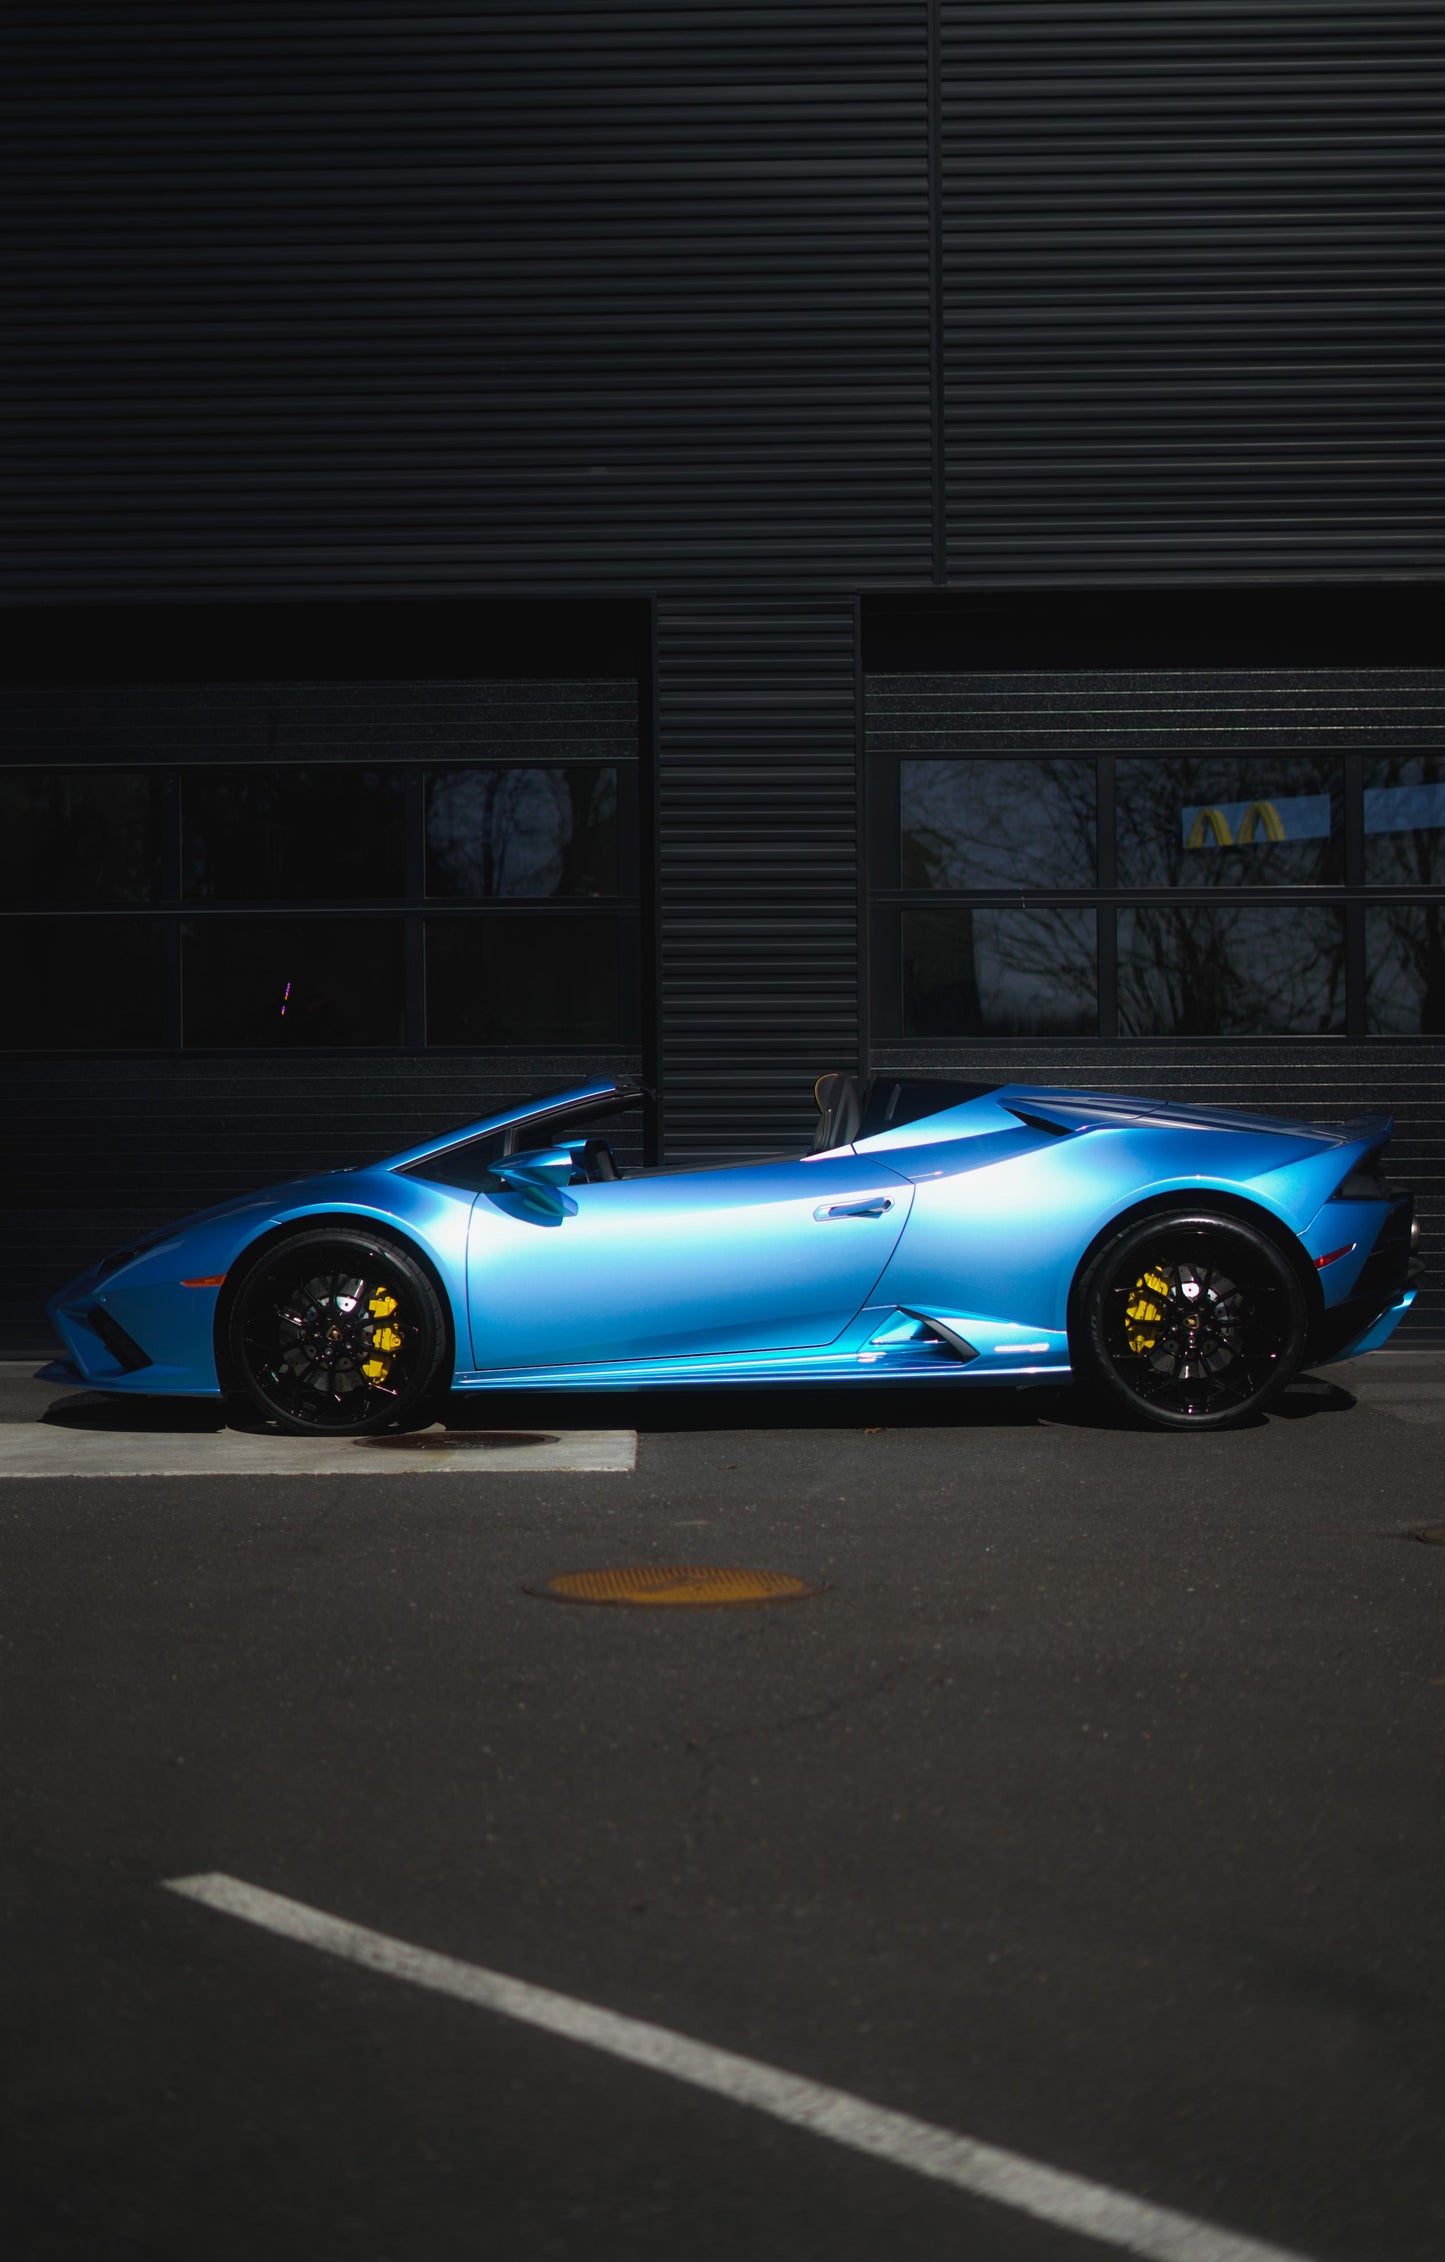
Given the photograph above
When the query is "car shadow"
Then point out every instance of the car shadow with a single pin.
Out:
(175, 1417)
(724, 1406)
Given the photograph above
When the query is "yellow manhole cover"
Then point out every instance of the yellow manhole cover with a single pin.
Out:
(654, 1586)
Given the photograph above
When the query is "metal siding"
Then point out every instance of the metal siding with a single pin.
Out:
(1156, 711)
(344, 298)
(757, 868)
(514, 719)
(1193, 284)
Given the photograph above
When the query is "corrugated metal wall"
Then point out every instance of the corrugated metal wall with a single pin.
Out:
(333, 300)
(339, 296)
(1193, 272)
(758, 829)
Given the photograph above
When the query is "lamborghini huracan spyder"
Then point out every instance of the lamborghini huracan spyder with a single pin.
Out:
(1185, 1261)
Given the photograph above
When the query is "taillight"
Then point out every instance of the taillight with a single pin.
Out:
(1365, 1181)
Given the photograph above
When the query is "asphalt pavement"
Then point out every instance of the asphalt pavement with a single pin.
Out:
(1090, 1811)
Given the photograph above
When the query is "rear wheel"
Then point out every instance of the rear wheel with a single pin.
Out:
(1192, 1321)
(338, 1334)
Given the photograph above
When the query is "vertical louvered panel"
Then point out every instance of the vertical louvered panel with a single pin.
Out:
(757, 868)
(339, 295)
(1194, 262)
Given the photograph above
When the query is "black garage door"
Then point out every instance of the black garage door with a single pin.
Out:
(1218, 884)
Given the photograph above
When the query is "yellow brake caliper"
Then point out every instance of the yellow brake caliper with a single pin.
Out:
(385, 1341)
(1143, 1312)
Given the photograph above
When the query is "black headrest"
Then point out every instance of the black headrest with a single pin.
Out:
(840, 1112)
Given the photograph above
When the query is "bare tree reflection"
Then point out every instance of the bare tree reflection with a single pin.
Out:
(997, 824)
(999, 973)
(1229, 821)
(1189, 970)
(1405, 847)
(523, 832)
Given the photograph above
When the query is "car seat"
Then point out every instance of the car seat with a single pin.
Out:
(840, 1112)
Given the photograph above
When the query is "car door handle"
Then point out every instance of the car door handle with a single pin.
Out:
(874, 1206)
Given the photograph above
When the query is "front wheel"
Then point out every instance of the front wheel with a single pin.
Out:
(1192, 1321)
(338, 1334)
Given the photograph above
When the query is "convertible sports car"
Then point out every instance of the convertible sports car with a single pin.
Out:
(1184, 1260)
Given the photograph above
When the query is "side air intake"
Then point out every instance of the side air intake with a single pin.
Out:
(959, 1344)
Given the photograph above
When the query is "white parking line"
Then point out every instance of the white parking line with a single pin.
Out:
(51, 1449)
(1092, 2210)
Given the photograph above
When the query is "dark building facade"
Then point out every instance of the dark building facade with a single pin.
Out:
(718, 542)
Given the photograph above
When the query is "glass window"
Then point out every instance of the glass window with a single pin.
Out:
(1405, 820)
(998, 973)
(1193, 971)
(328, 834)
(522, 832)
(73, 838)
(997, 824)
(292, 981)
(83, 985)
(510, 979)
(1405, 969)
(1229, 821)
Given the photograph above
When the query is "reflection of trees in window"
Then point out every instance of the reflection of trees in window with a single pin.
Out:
(977, 824)
(1405, 820)
(1229, 821)
(999, 973)
(522, 832)
(1405, 948)
(1197, 972)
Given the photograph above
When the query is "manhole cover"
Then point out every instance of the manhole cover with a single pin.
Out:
(654, 1586)
(459, 1440)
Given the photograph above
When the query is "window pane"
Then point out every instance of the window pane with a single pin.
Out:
(80, 837)
(522, 832)
(1229, 821)
(324, 835)
(997, 824)
(1405, 959)
(293, 981)
(1405, 820)
(999, 974)
(1198, 972)
(500, 980)
(83, 985)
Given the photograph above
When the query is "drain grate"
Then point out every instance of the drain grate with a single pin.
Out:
(672, 1586)
(459, 1440)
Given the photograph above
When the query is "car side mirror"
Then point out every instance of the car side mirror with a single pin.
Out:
(539, 1176)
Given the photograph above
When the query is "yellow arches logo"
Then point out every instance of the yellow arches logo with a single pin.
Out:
(1261, 820)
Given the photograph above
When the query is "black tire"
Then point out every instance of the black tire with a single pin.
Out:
(1191, 1321)
(337, 1334)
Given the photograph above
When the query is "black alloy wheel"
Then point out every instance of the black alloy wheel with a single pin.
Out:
(1192, 1321)
(334, 1334)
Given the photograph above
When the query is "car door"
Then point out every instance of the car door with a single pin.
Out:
(755, 1257)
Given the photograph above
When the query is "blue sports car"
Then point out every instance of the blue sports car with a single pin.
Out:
(1184, 1261)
